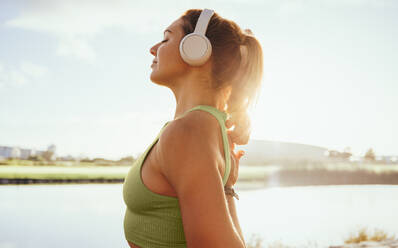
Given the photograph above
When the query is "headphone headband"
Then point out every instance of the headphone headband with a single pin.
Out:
(203, 21)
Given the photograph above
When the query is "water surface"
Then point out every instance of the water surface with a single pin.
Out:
(91, 215)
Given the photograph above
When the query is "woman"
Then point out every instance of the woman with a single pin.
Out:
(178, 192)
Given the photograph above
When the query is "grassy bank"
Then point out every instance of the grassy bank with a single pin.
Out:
(261, 176)
(62, 172)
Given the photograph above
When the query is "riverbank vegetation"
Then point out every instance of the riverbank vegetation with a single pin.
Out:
(363, 234)
(271, 175)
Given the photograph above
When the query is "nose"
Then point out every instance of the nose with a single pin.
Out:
(154, 49)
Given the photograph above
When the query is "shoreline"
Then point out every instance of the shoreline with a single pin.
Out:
(276, 179)
(23, 181)
(249, 177)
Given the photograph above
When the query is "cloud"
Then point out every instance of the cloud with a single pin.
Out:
(76, 23)
(76, 47)
(33, 70)
(26, 73)
(290, 7)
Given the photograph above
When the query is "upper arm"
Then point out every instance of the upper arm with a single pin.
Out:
(190, 165)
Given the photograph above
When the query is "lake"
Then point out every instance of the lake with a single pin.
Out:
(91, 215)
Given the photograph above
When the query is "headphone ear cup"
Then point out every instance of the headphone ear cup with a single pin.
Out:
(195, 49)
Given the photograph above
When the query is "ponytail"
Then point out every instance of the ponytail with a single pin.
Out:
(245, 88)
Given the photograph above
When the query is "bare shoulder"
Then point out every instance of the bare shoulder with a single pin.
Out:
(189, 137)
(188, 144)
(198, 122)
(190, 155)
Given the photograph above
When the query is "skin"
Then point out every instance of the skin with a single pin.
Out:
(190, 150)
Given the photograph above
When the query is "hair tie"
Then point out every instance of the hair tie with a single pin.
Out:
(242, 40)
(248, 31)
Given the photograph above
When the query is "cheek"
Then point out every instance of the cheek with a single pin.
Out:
(167, 54)
(169, 59)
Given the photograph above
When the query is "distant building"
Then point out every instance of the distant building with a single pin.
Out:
(5, 151)
(25, 153)
(21, 153)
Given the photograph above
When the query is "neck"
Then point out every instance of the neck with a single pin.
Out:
(190, 93)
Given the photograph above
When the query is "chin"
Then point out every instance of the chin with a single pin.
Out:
(164, 77)
(156, 79)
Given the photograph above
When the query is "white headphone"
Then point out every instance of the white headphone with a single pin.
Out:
(195, 48)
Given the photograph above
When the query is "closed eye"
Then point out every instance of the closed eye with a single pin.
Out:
(164, 41)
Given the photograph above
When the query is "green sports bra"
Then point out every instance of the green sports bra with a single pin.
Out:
(153, 220)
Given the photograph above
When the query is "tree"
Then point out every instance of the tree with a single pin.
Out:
(48, 155)
(35, 158)
(86, 160)
(128, 159)
(370, 155)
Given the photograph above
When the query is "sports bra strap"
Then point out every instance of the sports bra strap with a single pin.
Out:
(221, 117)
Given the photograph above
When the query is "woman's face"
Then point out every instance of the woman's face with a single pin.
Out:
(167, 63)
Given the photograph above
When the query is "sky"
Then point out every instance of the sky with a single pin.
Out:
(76, 73)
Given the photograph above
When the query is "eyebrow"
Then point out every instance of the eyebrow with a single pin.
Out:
(166, 31)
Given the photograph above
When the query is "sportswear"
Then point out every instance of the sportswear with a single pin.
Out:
(153, 220)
